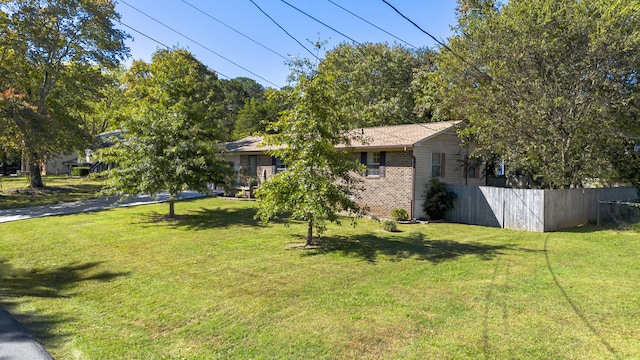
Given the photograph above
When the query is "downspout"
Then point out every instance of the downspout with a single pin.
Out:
(413, 185)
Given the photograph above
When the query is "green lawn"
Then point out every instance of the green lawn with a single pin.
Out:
(14, 191)
(122, 284)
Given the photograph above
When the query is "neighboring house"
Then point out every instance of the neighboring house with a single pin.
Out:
(400, 161)
(62, 164)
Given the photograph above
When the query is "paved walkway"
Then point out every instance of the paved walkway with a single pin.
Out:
(15, 341)
(85, 206)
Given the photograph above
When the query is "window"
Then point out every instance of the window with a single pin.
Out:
(437, 164)
(373, 163)
(472, 171)
(500, 169)
(280, 165)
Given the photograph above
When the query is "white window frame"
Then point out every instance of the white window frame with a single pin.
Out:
(373, 164)
(436, 163)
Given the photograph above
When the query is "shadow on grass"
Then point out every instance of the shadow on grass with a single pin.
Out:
(18, 285)
(204, 219)
(416, 245)
(573, 304)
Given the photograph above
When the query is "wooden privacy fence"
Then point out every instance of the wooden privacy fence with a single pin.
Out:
(531, 209)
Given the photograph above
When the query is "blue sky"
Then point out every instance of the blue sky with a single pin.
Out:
(267, 66)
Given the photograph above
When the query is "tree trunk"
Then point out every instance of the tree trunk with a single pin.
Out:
(34, 172)
(172, 213)
(5, 168)
(309, 234)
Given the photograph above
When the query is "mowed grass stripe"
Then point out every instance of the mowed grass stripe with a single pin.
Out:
(214, 283)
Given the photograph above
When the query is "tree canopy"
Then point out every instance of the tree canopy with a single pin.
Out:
(372, 83)
(550, 86)
(52, 47)
(170, 142)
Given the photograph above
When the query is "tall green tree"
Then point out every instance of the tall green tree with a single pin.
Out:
(258, 113)
(49, 42)
(320, 179)
(551, 86)
(170, 142)
(238, 92)
(373, 83)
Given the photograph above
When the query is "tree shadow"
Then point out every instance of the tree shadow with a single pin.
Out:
(18, 285)
(415, 246)
(574, 306)
(204, 219)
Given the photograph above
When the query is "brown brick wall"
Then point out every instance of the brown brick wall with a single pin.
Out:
(393, 190)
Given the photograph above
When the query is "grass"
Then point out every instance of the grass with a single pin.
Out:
(15, 192)
(120, 284)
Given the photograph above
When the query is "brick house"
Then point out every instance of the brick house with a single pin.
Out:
(400, 161)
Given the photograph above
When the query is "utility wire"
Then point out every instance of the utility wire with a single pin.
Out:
(321, 22)
(197, 43)
(143, 34)
(220, 22)
(158, 42)
(436, 40)
(372, 24)
(482, 73)
(285, 31)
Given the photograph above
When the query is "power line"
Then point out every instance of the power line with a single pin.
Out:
(321, 22)
(482, 73)
(372, 24)
(143, 34)
(158, 42)
(285, 31)
(431, 36)
(220, 22)
(197, 43)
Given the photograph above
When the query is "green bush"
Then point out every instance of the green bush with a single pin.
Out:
(438, 200)
(80, 171)
(390, 225)
(399, 214)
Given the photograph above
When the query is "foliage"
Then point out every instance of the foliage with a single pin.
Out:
(399, 214)
(258, 113)
(550, 86)
(238, 93)
(49, 45)
(320, 179)
(373, 83)
(438, 200)
(119, 284)
(390, 225)
(170, 143)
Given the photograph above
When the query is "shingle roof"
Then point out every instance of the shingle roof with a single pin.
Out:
(400, 135)
(395, 136)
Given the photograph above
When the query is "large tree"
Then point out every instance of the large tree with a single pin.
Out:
(549, 85)
(320, 179)
(52, 42)
(373, 83)
(258, 113)
(238, 92)
(170, 141)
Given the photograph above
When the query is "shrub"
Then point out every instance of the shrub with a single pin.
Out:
(399, 214)
(390, 225)
(79, 171)
(438, 200)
